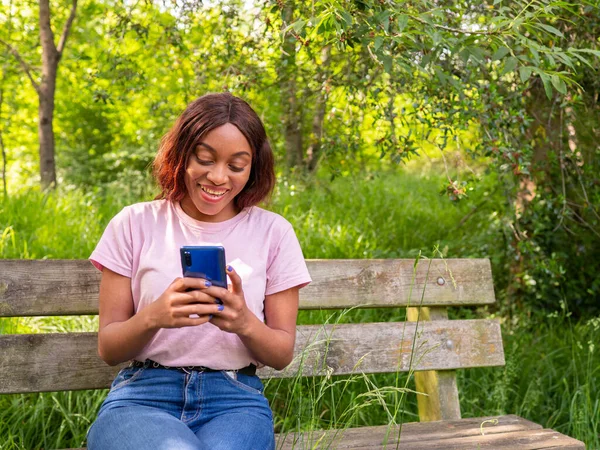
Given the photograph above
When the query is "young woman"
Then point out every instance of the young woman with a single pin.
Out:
(191, 383)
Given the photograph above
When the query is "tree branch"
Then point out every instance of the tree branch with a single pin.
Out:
(456, 30)
(66, 29)
(26, 67)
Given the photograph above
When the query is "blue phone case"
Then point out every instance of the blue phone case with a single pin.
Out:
(206, 262)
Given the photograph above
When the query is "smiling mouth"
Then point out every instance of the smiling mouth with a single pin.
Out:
(213, 193)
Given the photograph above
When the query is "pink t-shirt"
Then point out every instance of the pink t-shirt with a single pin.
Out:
(142, 242)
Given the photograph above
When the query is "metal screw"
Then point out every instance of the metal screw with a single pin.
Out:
(441, 281)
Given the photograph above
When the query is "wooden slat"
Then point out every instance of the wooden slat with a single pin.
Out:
(70, 287)
(387, 347)
(411, 432)
(69, 361)
(380, 283)
(48, 287)
(511, 432)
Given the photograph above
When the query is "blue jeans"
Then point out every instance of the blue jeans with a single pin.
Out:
(154, 408)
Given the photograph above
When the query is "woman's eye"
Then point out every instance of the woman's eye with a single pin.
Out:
(204, 162)
(236, 169)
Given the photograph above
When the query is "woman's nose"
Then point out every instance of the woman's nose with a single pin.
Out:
(216, 175)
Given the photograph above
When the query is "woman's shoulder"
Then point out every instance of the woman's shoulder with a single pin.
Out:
(145, 208)
(268, 219)
(142, 214)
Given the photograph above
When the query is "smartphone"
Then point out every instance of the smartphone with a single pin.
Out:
(206, 262)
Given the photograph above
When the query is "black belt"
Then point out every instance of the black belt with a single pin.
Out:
(149, 364)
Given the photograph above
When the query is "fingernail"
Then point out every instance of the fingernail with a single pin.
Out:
(207, 283)
(221, 308)
(229, 269)
(210, 316)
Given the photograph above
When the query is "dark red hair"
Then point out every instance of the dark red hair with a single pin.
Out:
(201, 116)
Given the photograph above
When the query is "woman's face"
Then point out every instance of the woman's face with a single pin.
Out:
(216, 172)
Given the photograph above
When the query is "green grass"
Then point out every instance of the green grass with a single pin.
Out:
(551, 375)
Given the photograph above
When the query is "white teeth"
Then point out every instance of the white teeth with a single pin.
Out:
(211, 192)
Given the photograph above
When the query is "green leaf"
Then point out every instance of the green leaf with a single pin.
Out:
(298, 25)
(347, 17)
(464, 55)
(425, 18)
(536, 55)
(378, 42)
(387, 62)
(565, 59)
(582, 59)
(524, 73)
(384, 20)
(402, 22)
(586, 50)
(455, 83)
(441, 76)
(516, 24)
(559, 84)
(500, 53)
(509, 65)
(547, 86)
(551, 29)
(477, 53)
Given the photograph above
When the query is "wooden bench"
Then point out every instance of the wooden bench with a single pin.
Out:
(429, 344)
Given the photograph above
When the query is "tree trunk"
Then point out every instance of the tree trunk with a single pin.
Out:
(287, 76)
(51, 55)
(46, 92)
(4, 190)
(314, 150)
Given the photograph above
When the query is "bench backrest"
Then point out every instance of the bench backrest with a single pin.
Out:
(428, 343)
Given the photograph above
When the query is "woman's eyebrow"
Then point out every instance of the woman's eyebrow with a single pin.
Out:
(204, 144)
(208, 147)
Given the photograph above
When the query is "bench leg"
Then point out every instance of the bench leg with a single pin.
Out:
(441, 401)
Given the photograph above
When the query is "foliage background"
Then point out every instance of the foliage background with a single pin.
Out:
(470, 126)
(346, 89)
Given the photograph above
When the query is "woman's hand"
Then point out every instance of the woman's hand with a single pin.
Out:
(270, 343)
(235, 317)
(176, 304)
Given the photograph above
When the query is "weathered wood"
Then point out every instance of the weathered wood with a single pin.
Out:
(511, 432)
(69, 361)
(70, 287)
(348, 283)
(441, 399)
(410, 432)
(390, 347)
(48, 287)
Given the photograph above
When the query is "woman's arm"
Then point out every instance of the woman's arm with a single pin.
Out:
(123, 334)
(271, 343)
